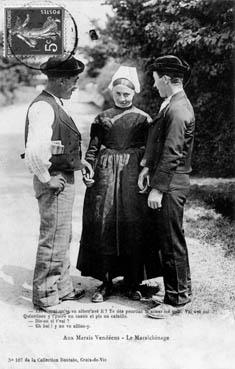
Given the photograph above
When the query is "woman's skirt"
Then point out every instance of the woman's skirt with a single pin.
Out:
(118, 231)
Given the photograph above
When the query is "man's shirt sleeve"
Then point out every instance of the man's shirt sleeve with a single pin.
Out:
(38, 147)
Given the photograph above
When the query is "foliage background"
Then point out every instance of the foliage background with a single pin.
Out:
(199, 31)
(12, 76)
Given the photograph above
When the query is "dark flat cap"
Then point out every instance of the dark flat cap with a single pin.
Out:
(56, 66)
(171, 64)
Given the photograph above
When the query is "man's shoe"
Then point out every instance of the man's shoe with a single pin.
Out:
(164, 311)
(55, 309)
(142, 292)
(134, 295)
(73, 296)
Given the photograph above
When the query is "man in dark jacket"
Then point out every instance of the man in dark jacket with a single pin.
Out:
(53, 153)
(167, 163)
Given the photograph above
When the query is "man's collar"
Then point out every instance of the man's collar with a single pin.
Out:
(57, 99)
(173, 94)
(167, 100)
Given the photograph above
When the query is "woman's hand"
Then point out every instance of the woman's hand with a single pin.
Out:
(87, 173)
(143, 181)
(87, 170)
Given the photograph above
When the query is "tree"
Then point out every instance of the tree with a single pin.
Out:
(201, 32)
(12, 74)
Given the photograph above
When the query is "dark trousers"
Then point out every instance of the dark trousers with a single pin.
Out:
(175, 262)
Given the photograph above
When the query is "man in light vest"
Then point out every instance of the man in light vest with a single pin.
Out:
(53, 154)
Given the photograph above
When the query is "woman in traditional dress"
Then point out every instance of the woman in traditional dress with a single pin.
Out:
(114, 237)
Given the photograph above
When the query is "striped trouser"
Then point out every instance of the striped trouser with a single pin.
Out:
(52, 280)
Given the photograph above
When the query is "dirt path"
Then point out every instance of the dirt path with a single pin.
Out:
(201, 338)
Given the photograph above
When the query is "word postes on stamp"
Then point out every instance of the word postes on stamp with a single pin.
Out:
(33, 31)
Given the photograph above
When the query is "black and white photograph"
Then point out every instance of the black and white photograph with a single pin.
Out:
(117, 184)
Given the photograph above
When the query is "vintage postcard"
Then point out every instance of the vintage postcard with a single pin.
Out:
(115, 328)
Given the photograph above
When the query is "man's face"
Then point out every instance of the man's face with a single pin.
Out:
(160, 84)
(68, 85)
(122, 96)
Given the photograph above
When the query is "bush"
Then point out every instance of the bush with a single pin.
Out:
(220, 197)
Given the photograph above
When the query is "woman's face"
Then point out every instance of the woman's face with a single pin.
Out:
(122, 96)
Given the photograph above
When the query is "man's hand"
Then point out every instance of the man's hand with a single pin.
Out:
(87, 171)
(57, 183)
(143, 181)
(155, 199)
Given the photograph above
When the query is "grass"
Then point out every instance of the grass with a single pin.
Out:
(212, 251)
(208, 226)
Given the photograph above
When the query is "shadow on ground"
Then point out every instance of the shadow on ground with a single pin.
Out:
(15, 285)
(16, 289)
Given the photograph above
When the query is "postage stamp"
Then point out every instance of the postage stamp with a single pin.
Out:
(33, 31)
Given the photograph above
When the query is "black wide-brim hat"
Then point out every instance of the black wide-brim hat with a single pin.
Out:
(59, 67)
(171, 64)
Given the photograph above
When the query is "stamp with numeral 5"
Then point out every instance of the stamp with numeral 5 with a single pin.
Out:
(33, 31)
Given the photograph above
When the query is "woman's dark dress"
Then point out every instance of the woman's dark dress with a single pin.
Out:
(115, 215)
